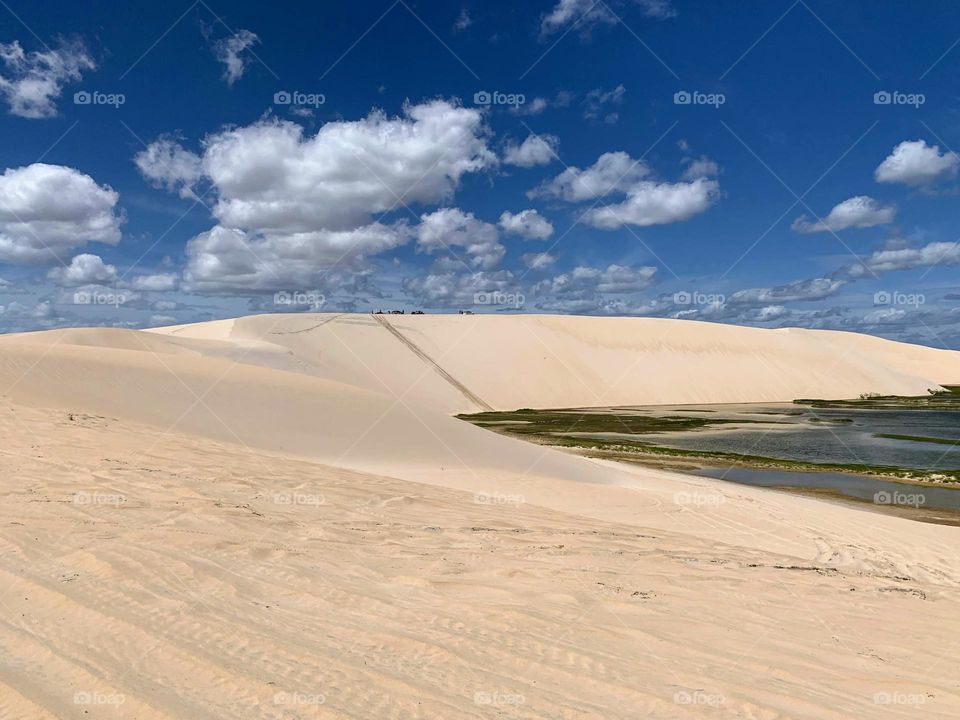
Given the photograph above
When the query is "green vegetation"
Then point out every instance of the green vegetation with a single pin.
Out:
(567, 428)
(918, 438)
(946, 399)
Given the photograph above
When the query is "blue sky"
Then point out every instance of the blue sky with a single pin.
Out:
(769, 163)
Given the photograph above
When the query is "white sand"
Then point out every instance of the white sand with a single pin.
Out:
(591, 590)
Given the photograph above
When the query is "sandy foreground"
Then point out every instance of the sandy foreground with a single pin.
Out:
(277, 517)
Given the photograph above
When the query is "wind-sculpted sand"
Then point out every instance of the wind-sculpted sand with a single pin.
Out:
(277, 517)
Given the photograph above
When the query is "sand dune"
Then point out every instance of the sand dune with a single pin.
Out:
(277, 516)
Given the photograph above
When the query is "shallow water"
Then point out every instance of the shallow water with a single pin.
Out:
(795, 432)
(878, 492)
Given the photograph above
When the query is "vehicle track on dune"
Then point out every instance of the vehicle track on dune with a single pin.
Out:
(416, 350)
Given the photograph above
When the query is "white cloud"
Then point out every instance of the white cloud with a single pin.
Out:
(166, 164)
(585, 14)
(856, 212)
(937, 253)
(48, 210)
(535, 150)
(292, 206)
(161, 320)
(156, 282)
(84, 269)
(534, 107)
(700, 168)
(528, 224)
(612, 172)
(597, 101)
(915, 163)
(813, 289)
(583, 280)
(653, 203)
(450, 288)
(451, 227)
(32, 82)
(647, 202)
(232, 52)
(463, 21)
(229, 260)
(538, 261)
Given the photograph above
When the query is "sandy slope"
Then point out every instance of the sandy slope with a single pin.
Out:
(244, 518)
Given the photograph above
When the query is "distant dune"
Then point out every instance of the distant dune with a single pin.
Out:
(434, 560)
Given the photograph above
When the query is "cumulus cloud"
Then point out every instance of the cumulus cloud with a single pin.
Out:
(614, 279)
(232, 52)
(32, 81)
(647, 201)
(84, 269)
(584, 14)
(291, 206)
(597, 104)
(155, 282)
(655, 203)
(535, 150)
(812, 289)
(915, 163)
(856, 212)
(449, 289)
(48, 210)
(935, 253)
(538, 261)
(225, 260)
(528, 224)
(612, 172)
(702, 167)
(451, 227)
(168, 165)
